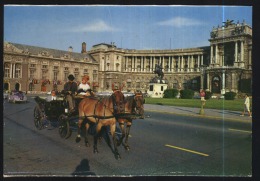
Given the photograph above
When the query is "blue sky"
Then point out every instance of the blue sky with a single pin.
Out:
(130, 27)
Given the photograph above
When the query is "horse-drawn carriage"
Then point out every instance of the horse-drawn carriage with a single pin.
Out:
(55, 112)
(102, 111)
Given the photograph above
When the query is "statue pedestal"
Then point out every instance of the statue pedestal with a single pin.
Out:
(157, 86)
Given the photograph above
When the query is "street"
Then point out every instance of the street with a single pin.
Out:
(162, 144)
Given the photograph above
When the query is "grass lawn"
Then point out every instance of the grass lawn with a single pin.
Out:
(234, 105)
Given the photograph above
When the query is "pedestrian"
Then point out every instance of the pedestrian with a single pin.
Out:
(202, 96)
(70, 89)
(246, 106)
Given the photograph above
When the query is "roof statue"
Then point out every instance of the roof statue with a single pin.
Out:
(228, 23)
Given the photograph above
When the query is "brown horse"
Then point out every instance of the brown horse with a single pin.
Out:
(102, 112)
(133, 109)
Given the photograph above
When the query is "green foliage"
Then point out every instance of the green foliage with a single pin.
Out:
(170, 93)
(230, 95)
(187, 94)
(208, 94)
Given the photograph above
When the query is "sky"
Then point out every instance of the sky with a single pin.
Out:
(129, 27)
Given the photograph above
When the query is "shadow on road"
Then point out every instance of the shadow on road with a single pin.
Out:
(83, 169)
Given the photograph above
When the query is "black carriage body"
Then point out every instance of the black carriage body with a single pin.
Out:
(53, 109)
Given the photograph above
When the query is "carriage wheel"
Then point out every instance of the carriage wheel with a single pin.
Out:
(37, 118)
(64, 127)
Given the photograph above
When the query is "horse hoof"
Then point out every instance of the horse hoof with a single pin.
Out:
(87, 144)
(95, 151)
(127, 148)
(78, 139)
(118, 156)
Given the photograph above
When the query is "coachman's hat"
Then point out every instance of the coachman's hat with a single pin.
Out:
(71, 77)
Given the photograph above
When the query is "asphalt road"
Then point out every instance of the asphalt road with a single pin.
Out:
(161, 145)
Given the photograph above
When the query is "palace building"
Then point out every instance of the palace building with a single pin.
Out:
(225, 65)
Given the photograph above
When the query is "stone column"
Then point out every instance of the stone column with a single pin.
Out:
(163, 63)
(145, 64)
(181, 63)
(216, 55)
(154, 63)
(242, 51)
(126, 64)
(132, 63)
(188, 63)
(11, 70)
(223, 90)
(198, 63)
(236, 51)
(192, 63)
(202, 60)
(14, 67)
(211, 54)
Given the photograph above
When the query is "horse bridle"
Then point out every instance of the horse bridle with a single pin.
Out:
(115, 106)
(136, 105)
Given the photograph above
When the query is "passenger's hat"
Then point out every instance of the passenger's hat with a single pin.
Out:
(71, 77)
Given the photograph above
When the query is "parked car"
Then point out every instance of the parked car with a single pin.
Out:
(17, 96)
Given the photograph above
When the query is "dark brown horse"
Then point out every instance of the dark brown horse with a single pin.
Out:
(102, 112)
(134, 108)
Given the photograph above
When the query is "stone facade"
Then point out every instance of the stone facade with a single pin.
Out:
(37, 69)
(225, 65)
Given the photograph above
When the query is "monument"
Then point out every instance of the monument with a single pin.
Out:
(157, 85)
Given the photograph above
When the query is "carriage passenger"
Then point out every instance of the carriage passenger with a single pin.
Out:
(52, 96)
(84, 88)
(70, 88)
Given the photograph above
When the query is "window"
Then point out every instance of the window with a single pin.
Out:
(32, 72)
(18, 71)
(161, 88)
(66, 68)
(66, 74)
(117, 67)
(44, 74)
(55, 68)
(151, 88)
(76, 76)
(45, 66)
(7, 69)
(108, 66)
(55, 75)
(138, 85)
(32, 65)
(138, 68)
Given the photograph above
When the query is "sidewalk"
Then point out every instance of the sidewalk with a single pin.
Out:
(188, 111)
